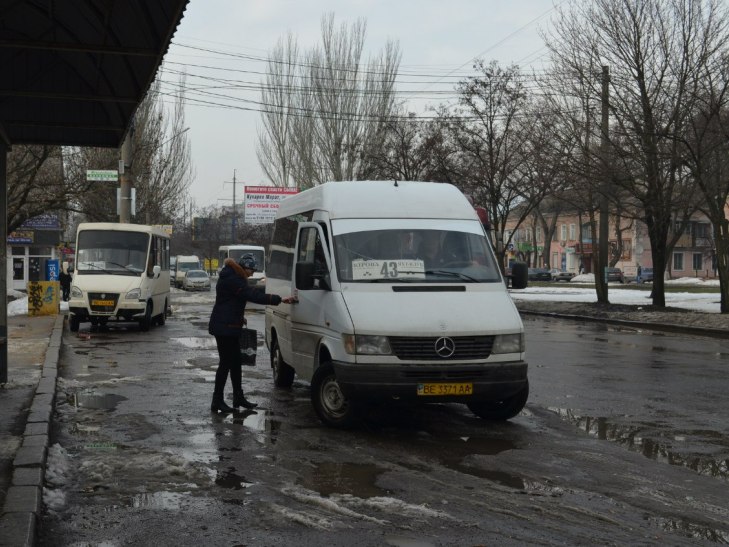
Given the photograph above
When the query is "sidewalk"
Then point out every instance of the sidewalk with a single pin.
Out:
(26, 406)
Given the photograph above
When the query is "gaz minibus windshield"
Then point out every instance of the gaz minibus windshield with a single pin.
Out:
(113, 252)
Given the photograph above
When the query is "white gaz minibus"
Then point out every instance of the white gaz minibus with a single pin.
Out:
(399, 297)
(258, 279)
(122, 273)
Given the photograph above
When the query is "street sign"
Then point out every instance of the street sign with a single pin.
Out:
(102, 175)
(261, 202)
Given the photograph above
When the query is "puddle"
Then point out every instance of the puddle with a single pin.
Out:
(461, 448)
(675, 447)
(158, 500)
(95, 401)
(329, 478)
(196, 342)
(229, 479)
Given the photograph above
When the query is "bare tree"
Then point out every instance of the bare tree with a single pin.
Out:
(35, 183)
(490, 145)
(656, 52)
(409, 150)
(275, 148)
(322, 121)
(707, 156)
(162, 164)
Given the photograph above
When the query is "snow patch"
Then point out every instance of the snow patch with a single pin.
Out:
(330, 504)
(302, 517)
(58, 466)
(54, 500)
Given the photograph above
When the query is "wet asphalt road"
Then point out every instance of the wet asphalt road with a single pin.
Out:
(624, 440)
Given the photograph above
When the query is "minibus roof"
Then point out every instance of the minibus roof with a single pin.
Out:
(381, 199)
(122, 227)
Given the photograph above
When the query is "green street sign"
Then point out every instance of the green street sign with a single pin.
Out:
(103, 175)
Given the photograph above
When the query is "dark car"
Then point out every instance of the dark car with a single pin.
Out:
(562, 275)
(539, 274)
(645, 276)
(614, 274)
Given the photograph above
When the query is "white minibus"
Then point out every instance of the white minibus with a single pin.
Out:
(399, 296)
(258, 279)
(183, 264)
(122, 273)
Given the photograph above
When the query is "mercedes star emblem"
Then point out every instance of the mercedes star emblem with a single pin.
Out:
(445, 347)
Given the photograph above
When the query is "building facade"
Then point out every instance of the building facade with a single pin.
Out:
(573, 245)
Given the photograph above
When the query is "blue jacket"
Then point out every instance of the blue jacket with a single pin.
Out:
(231, 294)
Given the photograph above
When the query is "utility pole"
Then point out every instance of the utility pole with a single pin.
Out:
(125, 180)
(234, 220)
(601, 284)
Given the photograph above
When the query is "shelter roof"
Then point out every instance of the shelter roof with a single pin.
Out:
(72, 72)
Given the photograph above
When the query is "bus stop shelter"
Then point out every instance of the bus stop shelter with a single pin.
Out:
(72, 73)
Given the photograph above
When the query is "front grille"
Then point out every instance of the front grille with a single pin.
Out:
(109, 299)
(423, 349)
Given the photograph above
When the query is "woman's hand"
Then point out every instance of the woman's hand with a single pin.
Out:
(289, 300)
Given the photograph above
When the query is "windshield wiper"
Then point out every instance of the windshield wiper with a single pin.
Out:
(92, 265)
(127, 268)
(449, 273)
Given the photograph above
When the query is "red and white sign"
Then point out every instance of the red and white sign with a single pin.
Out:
(261, 202)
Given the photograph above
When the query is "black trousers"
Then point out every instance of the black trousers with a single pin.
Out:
(229, 352)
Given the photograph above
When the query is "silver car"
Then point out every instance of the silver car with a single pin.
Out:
(196, 280)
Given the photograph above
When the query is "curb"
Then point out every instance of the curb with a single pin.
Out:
(685, 329)
(24, 498)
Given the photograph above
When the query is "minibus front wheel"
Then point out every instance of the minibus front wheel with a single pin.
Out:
(330, 403)
(146, 322)
(73, 322)
(501, 410)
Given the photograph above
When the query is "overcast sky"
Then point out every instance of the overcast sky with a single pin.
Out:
(225, 40)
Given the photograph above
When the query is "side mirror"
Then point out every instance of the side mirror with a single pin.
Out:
(155, 271)
(305, 275)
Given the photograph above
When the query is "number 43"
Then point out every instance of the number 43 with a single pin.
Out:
(391, 272)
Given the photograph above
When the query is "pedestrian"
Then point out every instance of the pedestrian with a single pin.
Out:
(226, 321)
(65, 279)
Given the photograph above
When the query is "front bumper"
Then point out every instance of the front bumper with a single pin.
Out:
(491, 382)
(125, 310)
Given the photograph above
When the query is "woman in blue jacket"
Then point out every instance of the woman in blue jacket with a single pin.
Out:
(226, 321)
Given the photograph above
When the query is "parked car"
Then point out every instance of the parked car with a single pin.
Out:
(614, 274)
(645, 276)
(562, 275)
(196, 280)
(539, 274)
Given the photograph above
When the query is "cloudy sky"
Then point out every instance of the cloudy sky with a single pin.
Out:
(221, 44)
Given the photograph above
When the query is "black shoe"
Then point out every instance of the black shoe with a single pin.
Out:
(240, 400)
(220, 406)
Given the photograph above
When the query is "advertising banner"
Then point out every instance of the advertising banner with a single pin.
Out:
(261, 202)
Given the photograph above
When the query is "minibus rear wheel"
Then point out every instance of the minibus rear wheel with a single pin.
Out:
(162, 317)
(501, 410)
(283, 373)
(330, 403)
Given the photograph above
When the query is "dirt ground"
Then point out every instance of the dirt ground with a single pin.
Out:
(677, 318)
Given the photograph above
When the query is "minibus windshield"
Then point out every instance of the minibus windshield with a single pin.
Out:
(258, 254)
(415, 255)
(114, 252)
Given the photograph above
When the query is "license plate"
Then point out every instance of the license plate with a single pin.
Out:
(102, 302)
(445, 389)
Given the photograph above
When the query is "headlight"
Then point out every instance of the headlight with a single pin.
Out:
(134, 294)
(366, 345)
(508, 343)
(76, 292)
